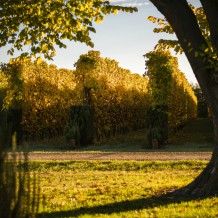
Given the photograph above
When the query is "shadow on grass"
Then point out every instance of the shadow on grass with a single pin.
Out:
(118, 207)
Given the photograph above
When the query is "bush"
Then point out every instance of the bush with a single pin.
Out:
(80, 126)
(157, 124)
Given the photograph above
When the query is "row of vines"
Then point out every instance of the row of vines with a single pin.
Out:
(43, 92)
(168, 86)
(119, 98)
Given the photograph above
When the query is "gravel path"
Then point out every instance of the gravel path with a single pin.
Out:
(119, 156)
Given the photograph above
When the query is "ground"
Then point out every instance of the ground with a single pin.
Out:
(120, 156)
(193, 142)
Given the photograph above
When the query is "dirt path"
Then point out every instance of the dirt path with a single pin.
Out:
(119, 156)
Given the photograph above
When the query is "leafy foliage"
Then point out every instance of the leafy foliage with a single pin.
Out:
(164, 27)
(80, 126)
(168, 86)
(160, 65)
(208, 53)
(182, 102)
(118, 97)
(48, 94)
(45, 95)
(38, 26)
(11, 85)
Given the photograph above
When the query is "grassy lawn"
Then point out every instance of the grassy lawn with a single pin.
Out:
(124, 188)
(196, 136)
(119, 189)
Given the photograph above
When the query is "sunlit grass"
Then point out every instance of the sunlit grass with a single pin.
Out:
(119, 189)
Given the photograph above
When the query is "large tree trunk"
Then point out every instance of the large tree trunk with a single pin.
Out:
(184, 23)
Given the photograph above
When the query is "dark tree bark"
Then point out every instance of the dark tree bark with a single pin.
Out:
(184, 23)
(211, 9)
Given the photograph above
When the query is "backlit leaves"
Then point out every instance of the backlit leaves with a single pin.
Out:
(37, 26)
(118, 97)
(164, 27)
(168, 86)
(43, 92)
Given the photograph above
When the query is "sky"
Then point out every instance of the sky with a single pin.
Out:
(125, 37)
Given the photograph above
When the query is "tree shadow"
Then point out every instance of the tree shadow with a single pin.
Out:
(123, 206)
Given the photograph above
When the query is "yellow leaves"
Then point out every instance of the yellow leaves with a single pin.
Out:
(46, 94)
(51, 21)
(182, 101)
(98, 20)
(118, 97)
(115, 11)
(152, 19)
(111, 93)
(39, 60)
(27, 42)
(170, 87)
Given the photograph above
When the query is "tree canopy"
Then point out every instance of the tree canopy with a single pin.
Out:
(165, 27)
(35, 27)
(206, 50)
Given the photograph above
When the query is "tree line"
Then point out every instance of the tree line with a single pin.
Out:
(120, 99)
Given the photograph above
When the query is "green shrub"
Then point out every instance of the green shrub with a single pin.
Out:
(80, 126)
(157, 124)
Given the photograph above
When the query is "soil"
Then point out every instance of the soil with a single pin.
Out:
(120, 156)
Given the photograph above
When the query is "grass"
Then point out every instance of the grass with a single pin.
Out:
(115, 189)
(196, 136)
(119, 189)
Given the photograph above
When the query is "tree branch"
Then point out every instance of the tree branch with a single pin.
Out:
(184, 23)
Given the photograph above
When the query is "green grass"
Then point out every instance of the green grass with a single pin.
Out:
(119, 189)
(195, 136)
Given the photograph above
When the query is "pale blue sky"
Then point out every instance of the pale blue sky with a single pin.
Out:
(124, 37)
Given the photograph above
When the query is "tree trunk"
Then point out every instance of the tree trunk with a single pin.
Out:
(184, 23)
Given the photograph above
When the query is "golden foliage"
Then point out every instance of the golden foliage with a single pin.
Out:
(119, 98)
(182, 101)
(45, 96)
(169, 86)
